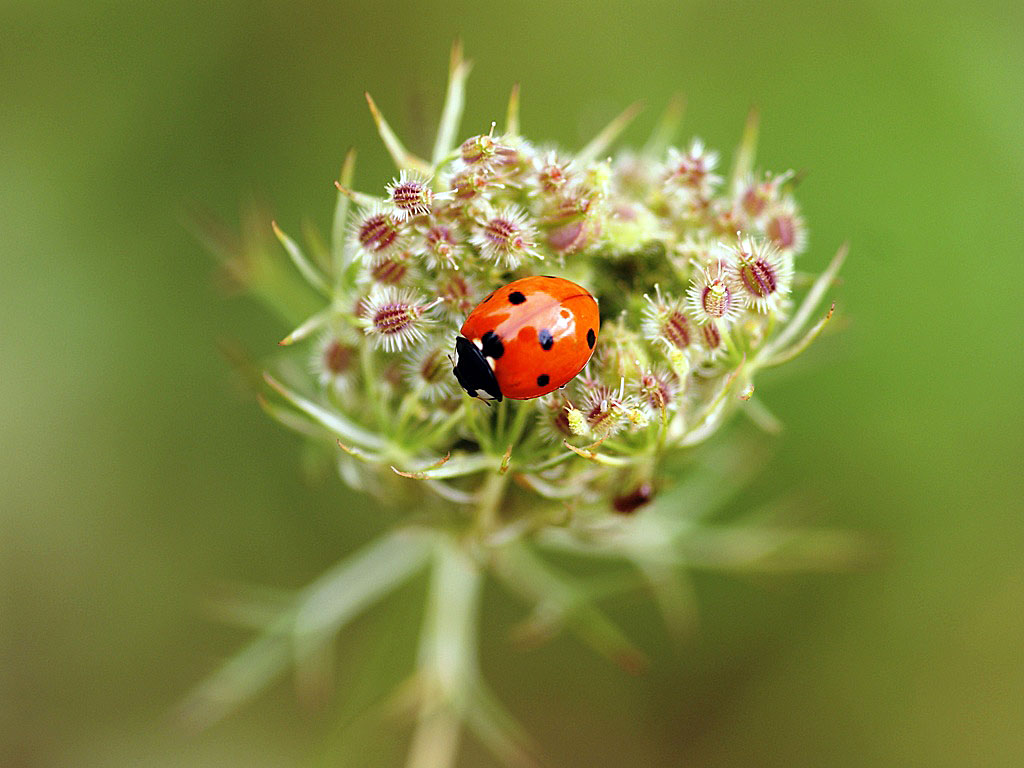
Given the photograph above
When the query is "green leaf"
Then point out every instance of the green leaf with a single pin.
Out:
(240, 678)
(333, 421)
(404, 159)
(454, 100)
(340, 252)
(512, 113)
(807, 307)
(497, 729)
(309, 325)
(597, 146)
(743, 163)
(668, 126)
(560, 603)
(302, 263)
(788, 354)
(457, 467)
(360, 580)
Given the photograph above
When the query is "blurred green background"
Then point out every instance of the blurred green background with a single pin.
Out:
(136, 475)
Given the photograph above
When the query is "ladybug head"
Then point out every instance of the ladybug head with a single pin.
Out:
(474, 372)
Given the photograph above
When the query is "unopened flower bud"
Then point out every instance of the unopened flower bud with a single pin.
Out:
(764, 273)
(657, 389)
(334, 362)
(395, 319)
(577, 421)
(505, 237)
(429, 373)
(666, 323)
(692, 170)
(377, 232)
(714, 296)
(410, 195)
(785, 227)
(637, 417)
(390, 269)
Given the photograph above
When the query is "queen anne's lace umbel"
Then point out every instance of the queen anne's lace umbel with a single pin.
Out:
(694, 268)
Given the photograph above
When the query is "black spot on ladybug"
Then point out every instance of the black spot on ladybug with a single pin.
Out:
(491, 345)
(542, 380)
(545, 338)
(516, 297)
(591, 338)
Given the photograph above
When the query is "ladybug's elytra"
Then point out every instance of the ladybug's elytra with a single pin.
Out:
(526, 339)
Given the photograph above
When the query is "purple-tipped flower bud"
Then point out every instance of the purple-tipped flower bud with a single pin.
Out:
(764, 273)
(410, 195)
(756, 196)
(552, 176)
(484, 150)
(710, 337)
(377, 233)
(657, 389)
(692, 170)
(605, 409)
(505, 237)
(714, 296)
(390, 269)
(459, 294)
(468, 184)
(629, 502)
(334, 362)
(785, 227)
(666, 323)
(429, 372)
(395, 319)
(441, 247)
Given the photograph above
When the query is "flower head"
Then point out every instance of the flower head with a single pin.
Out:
(485, 151)
(666, 322)
(607, 410)
(785, 227)
(657, 388)
(441, 246)
(691, 171)
(377, 232)
(395, 318)
(411, 195)
(334, 362)
(390, 268)
(505, 237)
(428, 371)
(714, 296)
(763, 271)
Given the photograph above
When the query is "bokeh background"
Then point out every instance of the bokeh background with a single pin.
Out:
(136, 475)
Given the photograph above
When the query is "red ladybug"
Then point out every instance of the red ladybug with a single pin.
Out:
(526, 339)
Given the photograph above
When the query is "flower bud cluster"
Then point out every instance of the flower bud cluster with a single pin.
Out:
(693, 270)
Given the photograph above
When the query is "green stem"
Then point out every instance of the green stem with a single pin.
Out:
(490, 496)
(447, 657)
(523, 411)
(405, 410)
(371, 385)
(499, 431)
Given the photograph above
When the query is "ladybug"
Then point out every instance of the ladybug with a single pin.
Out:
(526, 339)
